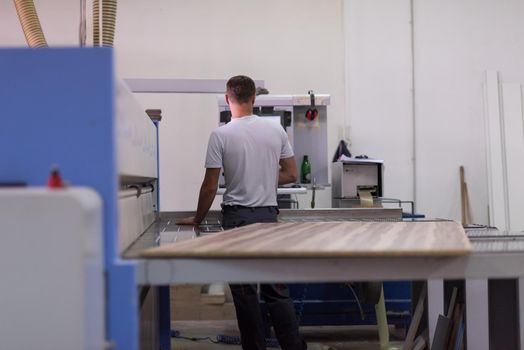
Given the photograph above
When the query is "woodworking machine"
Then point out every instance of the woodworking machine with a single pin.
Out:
(304, 118)
(62, 248)
(307, 133)
(353, 178)
(71, 257)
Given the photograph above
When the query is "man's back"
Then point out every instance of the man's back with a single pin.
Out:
(249, 149)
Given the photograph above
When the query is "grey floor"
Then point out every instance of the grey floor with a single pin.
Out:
(318, 337)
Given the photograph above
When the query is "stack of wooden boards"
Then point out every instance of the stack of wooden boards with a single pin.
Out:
(449, 333)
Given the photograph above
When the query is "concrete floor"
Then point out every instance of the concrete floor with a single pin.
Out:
(318, 337)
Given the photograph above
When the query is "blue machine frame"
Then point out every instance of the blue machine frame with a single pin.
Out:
(58, 108)
(334, 304)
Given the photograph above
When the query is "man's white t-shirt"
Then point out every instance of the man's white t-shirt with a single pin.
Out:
(249, 149)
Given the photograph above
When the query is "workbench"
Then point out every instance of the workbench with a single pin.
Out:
(495, 254)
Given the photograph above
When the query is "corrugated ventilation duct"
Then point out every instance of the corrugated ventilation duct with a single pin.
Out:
(30, 23)
(107, 31)
(108, 22)
(96, 22)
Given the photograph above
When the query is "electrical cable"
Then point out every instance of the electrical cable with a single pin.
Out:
(82, 26)
(362, 316)
(222, 339)
(176, 334)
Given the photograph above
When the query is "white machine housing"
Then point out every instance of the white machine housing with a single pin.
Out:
(51, 263)
(137, 167)
(350, 176)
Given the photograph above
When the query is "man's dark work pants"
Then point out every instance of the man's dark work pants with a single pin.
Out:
(276, 296)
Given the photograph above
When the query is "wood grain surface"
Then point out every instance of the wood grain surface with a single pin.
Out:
(325, 239)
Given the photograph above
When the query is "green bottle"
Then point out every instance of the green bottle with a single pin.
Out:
(306, 171)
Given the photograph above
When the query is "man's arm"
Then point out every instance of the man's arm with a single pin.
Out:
(288, 171)
(208, 191)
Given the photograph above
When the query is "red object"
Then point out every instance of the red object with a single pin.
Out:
(311, 114)
(55, 180)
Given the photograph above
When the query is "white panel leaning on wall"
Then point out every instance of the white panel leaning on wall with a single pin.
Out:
(505, 152)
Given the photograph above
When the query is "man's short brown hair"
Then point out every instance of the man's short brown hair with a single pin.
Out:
(241, 89)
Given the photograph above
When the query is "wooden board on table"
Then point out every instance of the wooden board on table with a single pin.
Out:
(325, 239)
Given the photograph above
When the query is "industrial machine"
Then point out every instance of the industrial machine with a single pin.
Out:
(356, 182)
(74, 254)
(359, 181)
(51, 263)
(304, 117)
(89, 126)
(63, 250)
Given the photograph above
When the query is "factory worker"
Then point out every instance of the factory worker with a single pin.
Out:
(256, 157)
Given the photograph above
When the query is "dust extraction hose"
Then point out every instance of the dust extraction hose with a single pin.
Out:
(108, 22)
(96, 22)
(30, 23)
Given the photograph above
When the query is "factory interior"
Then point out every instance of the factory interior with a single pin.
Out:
(399, 225)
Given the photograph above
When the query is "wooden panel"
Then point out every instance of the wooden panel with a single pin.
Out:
(326, 239)
(495, 154)
(514, 142)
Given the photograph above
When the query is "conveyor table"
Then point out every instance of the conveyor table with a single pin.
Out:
(495, 254)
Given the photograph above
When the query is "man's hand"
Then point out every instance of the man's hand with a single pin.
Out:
(187, 221)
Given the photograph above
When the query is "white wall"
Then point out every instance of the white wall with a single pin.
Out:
(378, 88)
(293, 45)
(59, 19)
(296, 45)
(454, 43)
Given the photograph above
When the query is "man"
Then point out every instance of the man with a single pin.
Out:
(256, 157)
